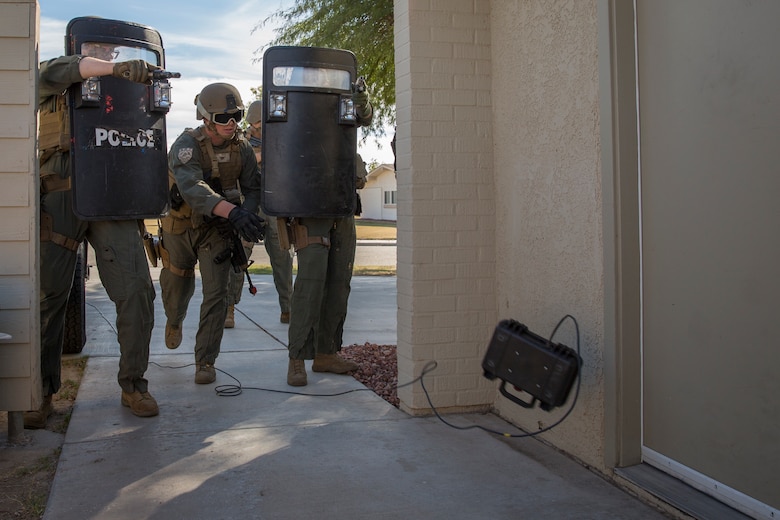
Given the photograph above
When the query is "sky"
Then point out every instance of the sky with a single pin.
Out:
(206, 42)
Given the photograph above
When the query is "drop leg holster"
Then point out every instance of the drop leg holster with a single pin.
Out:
(297, 234)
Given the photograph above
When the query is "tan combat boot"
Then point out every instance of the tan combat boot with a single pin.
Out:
(141, 404)
(230, 319)
(296, 373)
(333, 363)
(172, 335)
(205, 373)
(36, 419)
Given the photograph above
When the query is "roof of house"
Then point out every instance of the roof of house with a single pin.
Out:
(379, 170)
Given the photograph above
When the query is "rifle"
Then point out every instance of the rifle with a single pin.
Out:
(235, 252)
(164, 74)
(360, 84)
(237, 256)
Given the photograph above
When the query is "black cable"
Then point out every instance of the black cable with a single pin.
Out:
(245, 315)
(231, 390)
(238, 388)
(110, 325)
(503, 434)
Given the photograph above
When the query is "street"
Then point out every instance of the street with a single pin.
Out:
(368, 253)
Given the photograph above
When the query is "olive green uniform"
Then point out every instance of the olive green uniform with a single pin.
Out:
(236, 279)
(322, 286)
(192, 235)
(281, 267)
(281, 263)
(120, 257)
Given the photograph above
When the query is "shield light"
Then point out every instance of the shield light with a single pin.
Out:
(162, 95)
(277, 106)
(347, 110)
(90, 90)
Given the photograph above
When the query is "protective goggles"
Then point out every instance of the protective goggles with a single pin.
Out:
(224, 119)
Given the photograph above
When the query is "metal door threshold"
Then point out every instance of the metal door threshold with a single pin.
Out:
(678, 493)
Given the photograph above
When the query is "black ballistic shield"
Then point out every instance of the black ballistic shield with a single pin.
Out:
(118, 151)
(309, 132)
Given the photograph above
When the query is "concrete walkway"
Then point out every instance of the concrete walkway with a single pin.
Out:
(332, 449)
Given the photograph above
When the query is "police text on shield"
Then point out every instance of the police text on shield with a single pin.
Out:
(114, 138)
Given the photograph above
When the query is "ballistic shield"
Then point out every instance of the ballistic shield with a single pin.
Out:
(118, 147)
(309, 132)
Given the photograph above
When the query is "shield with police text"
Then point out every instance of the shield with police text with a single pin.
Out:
(309, 132)
(118, 140)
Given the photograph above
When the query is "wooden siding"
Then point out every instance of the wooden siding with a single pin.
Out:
(19, 355)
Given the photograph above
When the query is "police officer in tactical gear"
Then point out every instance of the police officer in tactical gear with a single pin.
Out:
(120, 256)
(215, 192)
(322, 285)
(281, 259)
(236, 278)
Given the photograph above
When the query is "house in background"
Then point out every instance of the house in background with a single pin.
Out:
(379, 195)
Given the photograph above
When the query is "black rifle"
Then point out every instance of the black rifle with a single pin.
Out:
(236, 253)
(360, 84)
(164, 74)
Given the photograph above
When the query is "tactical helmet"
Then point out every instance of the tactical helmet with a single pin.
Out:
(219, 102)
(254, 114)
(100, 50)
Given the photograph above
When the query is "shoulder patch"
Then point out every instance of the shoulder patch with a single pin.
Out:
(184, 155)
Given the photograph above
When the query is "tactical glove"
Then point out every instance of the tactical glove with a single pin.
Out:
(137, 71)
(248, 225)
(363, 107)
(360, 99)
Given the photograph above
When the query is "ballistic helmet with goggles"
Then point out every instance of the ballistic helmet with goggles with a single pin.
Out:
(99, 50)
(219, 103)
(254, 114)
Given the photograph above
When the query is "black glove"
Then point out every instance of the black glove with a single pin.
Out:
(137, 71)
(363, 107)
(360, 99)
(248, 225)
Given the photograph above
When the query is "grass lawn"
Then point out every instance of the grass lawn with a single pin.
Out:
(375, 229)
(365, 229)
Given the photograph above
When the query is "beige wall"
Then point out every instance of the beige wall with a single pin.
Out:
(549, 202)
(19, 359)
(446, 209)
(499, 212)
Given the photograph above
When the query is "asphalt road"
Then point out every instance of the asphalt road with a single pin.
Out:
(368, 253)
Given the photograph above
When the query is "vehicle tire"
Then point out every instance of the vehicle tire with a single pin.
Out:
(75, 312)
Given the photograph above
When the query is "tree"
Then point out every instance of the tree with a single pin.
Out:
(364, 27)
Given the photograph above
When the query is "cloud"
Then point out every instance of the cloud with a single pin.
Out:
(206, 43)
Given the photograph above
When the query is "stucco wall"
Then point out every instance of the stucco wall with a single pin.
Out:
(499, 198)
(548, 196)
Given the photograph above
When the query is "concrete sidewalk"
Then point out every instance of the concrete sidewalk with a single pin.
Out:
(332, 449)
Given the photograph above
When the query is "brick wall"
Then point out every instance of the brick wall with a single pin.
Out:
(446, 201)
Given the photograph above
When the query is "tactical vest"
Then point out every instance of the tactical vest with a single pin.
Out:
(224, 166)
(54, 132)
